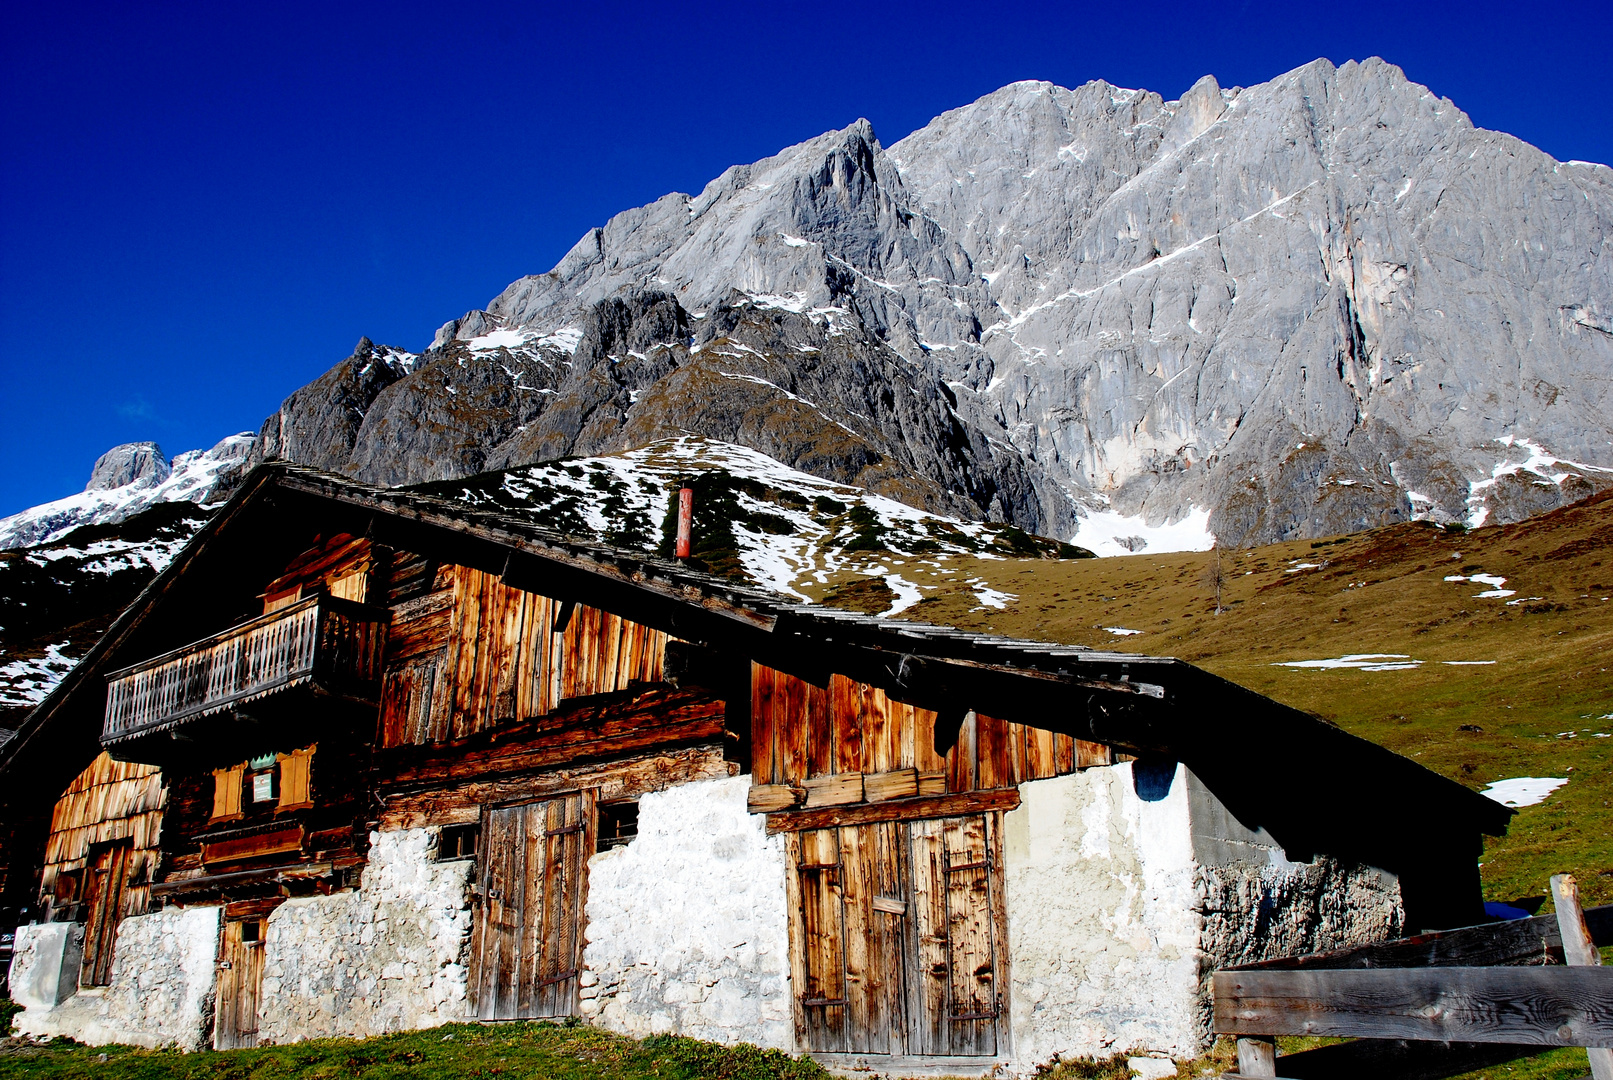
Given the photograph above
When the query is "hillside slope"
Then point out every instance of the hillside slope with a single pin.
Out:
(1484, 655)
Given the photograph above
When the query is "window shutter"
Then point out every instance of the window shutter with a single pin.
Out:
(295, 790)
(227, 792)
(353, 586)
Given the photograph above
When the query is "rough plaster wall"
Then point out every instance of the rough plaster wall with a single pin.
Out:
(1102, 928)
(161, 990)
(389, 957)
(686, 926)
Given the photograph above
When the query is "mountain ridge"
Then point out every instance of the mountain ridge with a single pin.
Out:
(1309, 306)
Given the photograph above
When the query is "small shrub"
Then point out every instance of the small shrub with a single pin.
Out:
(8, 1010)
(743, 1062)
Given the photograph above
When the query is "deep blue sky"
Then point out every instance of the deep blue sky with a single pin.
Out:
(204, 207)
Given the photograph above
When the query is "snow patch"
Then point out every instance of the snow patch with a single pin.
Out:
(1358, 661)
(1104, 532)
(1524, 790)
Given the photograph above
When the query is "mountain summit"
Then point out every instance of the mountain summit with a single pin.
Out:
(1302, 308)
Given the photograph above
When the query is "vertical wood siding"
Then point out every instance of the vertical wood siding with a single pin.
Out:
(800, 732)
(897, 939)
(474, 653)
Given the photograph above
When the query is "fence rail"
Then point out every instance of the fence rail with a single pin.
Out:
(323, 640)
(1402, 998)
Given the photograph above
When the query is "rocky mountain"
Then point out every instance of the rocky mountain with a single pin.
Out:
(129, 479)
(1295, 309)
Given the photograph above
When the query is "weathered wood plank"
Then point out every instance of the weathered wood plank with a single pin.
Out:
(821, 736)
(839, 789)
(898, 784)
(922, 807)
(769, 798)
(615, 780)
(928, 1029)
(1544, 1006)
(764, 750)
(994, 765)
(846, 715)
(1579, 951)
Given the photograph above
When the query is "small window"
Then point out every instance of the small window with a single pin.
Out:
(251, 930)
(263, 786)
(457, 842)
(618, 824)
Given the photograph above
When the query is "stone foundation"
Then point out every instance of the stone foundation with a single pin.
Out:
(1127, 886)
(161, 990)
(389, 957)
(687, 930)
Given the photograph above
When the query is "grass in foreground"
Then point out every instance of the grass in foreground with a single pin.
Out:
(513, 1050)
(565, 1051)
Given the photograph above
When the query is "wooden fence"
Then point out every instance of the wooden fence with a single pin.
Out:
(321, 639)
(1431, 1006)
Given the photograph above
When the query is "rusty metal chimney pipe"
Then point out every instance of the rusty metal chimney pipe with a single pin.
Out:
(685, 521)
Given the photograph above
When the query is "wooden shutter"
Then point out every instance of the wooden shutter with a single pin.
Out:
(532, 885)
(296, 793)
(351, 586)
(107, 880)
(227, 793)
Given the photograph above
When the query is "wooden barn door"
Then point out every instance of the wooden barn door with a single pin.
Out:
(895, 944)
(532, 888)
(958, 915)
(240, 983)
(106, 881)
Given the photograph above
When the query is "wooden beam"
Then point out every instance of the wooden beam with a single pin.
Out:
(936, 806)
(1257, 1056)
(1579, 951)
(1541, 1006)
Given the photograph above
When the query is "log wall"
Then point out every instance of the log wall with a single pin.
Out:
(470, 653)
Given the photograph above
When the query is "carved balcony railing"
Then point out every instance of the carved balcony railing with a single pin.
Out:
(325, 644)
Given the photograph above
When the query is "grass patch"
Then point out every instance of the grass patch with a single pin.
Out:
(512, 1051)
(1499, 689)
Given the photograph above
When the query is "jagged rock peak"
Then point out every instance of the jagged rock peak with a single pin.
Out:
(130, 463)
(1300, 308)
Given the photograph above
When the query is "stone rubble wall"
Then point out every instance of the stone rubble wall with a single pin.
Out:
(1129, 886)
(161, 991)
(1254, 913)
(1102, 929)
(687, 929)
(389, 957)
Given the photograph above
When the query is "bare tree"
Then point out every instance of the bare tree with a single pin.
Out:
(1215, 578)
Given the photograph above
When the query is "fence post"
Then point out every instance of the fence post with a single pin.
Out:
(1579, 951)
(1257, 1056)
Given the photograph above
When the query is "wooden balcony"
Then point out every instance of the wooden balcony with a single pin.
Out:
(322, 646)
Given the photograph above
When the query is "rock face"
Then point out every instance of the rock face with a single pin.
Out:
(131, 478)
(131, 463)
(1311, 306)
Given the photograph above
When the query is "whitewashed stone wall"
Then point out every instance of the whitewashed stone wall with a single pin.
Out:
(161, 990)
(1120, 907)
(1102, 928)
(687, 930)
(387, 957)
